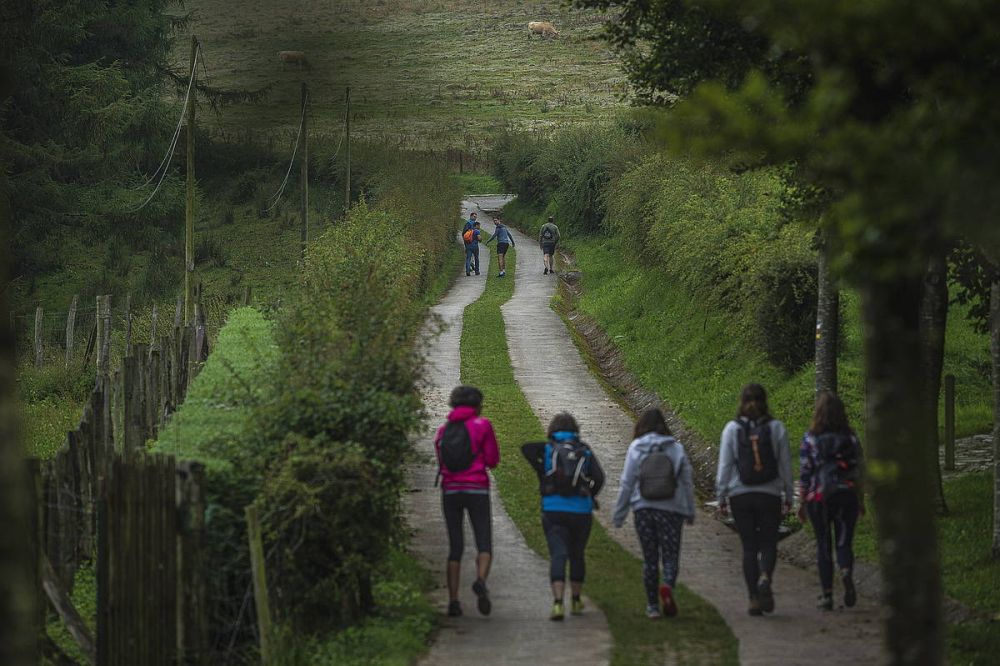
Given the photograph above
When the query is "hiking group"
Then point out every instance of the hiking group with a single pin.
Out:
(548, 239)
(754, 486)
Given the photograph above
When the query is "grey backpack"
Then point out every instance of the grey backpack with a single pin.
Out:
(657, 476)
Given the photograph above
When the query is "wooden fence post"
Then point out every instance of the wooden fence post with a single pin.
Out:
(103, 333)
(70, 332)
(260, 595)
(179, 312)
(949, 423)
(191, 633)
(128, 320)
(152, 329)
(39, 326)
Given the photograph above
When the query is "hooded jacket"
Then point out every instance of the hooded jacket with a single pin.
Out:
(486, 454)
(727, 478)
(629, 495)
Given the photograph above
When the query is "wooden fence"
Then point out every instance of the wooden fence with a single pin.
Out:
(139, 517)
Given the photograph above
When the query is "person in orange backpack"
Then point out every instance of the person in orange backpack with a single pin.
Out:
(471, 238)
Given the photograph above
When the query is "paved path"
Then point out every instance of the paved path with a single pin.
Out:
(555, 378)
(518, 631)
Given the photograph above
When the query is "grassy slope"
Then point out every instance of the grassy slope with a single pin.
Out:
(691, 359)
(698, 634)
(424, 73)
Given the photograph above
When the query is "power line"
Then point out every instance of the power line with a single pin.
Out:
(277, 196)
(173, 143)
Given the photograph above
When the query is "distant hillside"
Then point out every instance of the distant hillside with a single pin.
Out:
(424, 73)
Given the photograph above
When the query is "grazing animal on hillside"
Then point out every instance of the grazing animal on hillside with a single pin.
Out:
(297, 57)
(543, 28)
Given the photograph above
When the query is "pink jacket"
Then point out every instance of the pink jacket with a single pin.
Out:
(484, 446)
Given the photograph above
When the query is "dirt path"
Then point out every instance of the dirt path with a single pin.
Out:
(518, 631)
(555, 378)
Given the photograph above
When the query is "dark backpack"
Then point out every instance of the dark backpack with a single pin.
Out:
(548, 234)
(755, 457)
(837, 463)
(567, 471)
(456, 447)
(657, 477)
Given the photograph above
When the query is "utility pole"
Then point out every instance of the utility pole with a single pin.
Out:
(347, 139)
(305, 170)
(189, 208)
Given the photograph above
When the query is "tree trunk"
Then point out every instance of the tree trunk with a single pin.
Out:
(995, 358)
(18, 629)
(933, 320)
(899, 446)
(827, 323)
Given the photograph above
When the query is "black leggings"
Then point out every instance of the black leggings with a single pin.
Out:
(567, 535)
(478, 506)
(757, 517)
(841, 513)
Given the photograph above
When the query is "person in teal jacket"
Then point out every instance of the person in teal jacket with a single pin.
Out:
(567, 514)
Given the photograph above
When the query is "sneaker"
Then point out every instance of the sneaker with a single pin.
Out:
(477, 272)
(576, 607)
(482, 597)
(755, 607)
(545, 272)
(653, 612)
(467, 273)
(558, 611)
(667, 600)
(765, 595)
(850, 594)
(502, 273)
(454, 608)
(824, 601)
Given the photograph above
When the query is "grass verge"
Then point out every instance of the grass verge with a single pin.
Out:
(698, 634)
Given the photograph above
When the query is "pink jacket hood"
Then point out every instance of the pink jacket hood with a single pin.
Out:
(484, 446)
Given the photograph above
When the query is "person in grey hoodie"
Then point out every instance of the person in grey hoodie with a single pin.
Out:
(754, 481)
(658, 522)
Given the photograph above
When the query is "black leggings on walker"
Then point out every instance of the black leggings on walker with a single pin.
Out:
(757, 517)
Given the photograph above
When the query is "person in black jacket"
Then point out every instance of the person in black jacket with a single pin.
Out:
(570, 478)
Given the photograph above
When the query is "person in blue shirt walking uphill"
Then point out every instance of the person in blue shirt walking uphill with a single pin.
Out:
(754, 481)
(569, 478)
(830, 466)
(471, 238)
(471, 222)
(658, 486)
(548, 238)
(505, 240)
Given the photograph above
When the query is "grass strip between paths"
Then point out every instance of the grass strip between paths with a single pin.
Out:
(614, 577)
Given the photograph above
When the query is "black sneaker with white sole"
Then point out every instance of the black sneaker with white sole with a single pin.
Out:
(482, 596)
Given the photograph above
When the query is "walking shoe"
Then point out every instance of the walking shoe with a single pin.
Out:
(825, 601)
(558, 611)
(454, 608)
(755, 607)
(467, 273)
(667, 600)
(653, 612)
(545, 272)
(850, 594)
(765, 595)
(576, 606)
(482, 597)
(502, 273)
(477, 272)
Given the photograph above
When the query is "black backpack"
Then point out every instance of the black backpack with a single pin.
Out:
(657, 476)
(755, 457)
(567, 472)
(456, 447)
(548, 234)
(837, 463)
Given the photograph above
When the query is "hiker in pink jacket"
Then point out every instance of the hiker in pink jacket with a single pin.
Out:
(466, 448)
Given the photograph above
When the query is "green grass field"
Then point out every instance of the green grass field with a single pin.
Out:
(698, 634)
(427, 74)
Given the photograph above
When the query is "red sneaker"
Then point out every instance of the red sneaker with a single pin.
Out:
(667, 600)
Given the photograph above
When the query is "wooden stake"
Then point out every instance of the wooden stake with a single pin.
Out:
(39, 349)
(305, 169)
(949, 422)
(259, 583)
(70, 325)
(128, 320)
(347, 140)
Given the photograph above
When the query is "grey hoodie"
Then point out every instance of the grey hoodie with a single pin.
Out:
(727, 480)
(628, 492)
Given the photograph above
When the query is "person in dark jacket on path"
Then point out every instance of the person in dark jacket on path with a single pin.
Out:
(754, 481)
(658, 520)
(548, 239)
(567, 505)
(830, 492)
(505, 241)
(468, 491)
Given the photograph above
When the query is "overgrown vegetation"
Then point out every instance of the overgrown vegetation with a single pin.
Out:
(614, 580)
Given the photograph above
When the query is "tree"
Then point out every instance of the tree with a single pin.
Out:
(897, 120)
